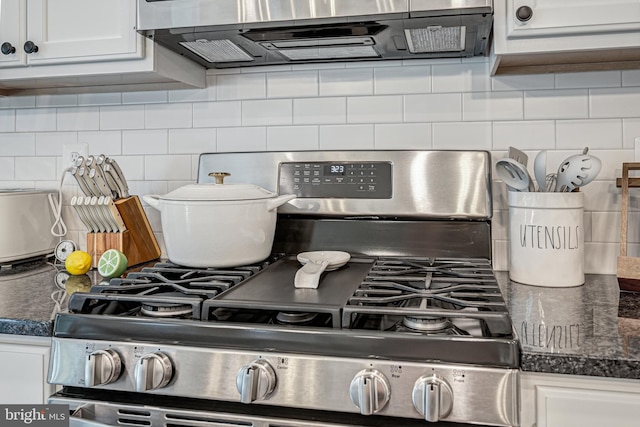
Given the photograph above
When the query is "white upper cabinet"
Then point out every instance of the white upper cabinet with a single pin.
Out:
(568, 35)
(51, 46)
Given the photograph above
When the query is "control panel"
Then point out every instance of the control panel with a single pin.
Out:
(349, 180)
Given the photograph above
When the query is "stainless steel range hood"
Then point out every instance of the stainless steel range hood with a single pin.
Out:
(241, 33)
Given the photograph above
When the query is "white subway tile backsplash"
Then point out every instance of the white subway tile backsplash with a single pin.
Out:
(18, 102)
(374, 109)
(622, 102)
(464, 77)
(416, 104)
(523, 82)
(556, 104)
(435, 107)
(37, 168)
(242, 139)
(402, 80)
(7, 120)
(35, 119)
(103, 142)
(524, 135)
(319, 111)
(167, 167)
(186, 141)
(292, 84)
(346, 137)
(51, 143)
(122, 117)
(17, 144)
(292, 138)
(99, 99)
(630, 131)
(403, 136)
(217, 114)
(588, 79)
(163, 116)
(144, 142)
(241, 86)
(354, 81)
(267, 112)
(57, 100)
(7, 169)
(78, 118)
(156, 97)
(595, 134)
(463, 136)
(479, 106)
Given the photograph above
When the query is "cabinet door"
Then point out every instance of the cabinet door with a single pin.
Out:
(564, 406)
(23, 374)
(71, 31)
(13, 31)
(553, 18)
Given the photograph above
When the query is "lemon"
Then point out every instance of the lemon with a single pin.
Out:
(112, 263)
(78, 262)
(80, 283)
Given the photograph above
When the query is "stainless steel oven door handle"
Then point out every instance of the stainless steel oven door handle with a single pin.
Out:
(80, 422)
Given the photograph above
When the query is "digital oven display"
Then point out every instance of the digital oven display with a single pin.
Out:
(334, 169)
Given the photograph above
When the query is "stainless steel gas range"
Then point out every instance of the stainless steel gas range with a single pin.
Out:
(412, 331)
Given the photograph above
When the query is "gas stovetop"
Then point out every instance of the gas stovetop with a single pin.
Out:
(430, 296)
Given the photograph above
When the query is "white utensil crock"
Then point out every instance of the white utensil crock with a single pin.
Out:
(546, 238)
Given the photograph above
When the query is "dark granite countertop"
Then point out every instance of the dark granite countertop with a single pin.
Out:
(593, 329)
(30, 297)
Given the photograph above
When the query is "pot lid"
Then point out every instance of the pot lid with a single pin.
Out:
(208, 192)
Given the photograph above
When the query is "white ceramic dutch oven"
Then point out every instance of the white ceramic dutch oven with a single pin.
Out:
(218, 225)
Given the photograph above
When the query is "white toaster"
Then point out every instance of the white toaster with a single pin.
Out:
(25, 224)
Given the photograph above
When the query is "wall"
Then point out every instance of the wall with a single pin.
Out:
(448, 104)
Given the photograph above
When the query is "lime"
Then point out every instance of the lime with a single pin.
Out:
(112, 263)
(79, 283)
(78, 262)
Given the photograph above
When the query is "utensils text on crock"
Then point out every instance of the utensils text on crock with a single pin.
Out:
(577, 171)
(540, 170)
(514, 175)
(315, 263)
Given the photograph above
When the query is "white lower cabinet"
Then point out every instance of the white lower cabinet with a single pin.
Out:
(551, 400)
(24, 362)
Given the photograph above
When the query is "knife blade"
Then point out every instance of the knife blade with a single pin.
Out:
(118, 171)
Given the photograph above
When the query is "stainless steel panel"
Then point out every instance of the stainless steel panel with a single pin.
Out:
(428, 184)
(191, 13)
(482, 395)
(463, 5)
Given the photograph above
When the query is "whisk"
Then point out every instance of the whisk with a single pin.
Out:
(550, 182)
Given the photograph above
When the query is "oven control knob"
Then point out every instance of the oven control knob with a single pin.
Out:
(370, 391)
(432, 397)
(102, 367)
(256, 381)
(153, 371)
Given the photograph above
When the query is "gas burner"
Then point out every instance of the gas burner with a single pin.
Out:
(294, 318)
(166, 309)
(427, 324)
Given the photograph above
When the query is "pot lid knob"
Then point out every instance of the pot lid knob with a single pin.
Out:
(219, 176)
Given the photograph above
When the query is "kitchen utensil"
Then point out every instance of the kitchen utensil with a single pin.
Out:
(115, 214)
(94, 215)
(83, 173)
(514, 175)
(83, 186)
(550, 182)
(122, 182)
(218, 225)
(114, 181)
(540, 170)
(315, 263)
(79, 208)
(96, 204)
(577, 171)
(518, 156)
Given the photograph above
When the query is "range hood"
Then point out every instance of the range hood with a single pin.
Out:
(241, 33)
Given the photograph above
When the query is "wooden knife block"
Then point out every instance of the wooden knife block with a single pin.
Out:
(137, 242)
(628, 266)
